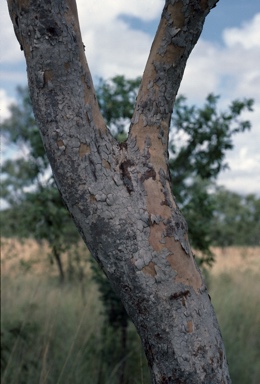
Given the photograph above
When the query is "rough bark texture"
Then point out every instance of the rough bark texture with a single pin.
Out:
(119, 195)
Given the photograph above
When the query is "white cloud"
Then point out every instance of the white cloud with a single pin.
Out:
(117, 50)
(5, 101)
(102, 12)
(248, 36)
(242, 183)
(230, 69)
(10, 48)
(244, 161)
(112, 47)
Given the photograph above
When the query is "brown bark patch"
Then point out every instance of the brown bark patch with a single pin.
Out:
(149, 269)
(156, 149)
(106, 164)
(83, 150)
(93, 199)
(173, 54)
(155, 238)
(48, 75)
(190, 326)
(60, 143)
(183, 265)
(177, 14)
(155, 198)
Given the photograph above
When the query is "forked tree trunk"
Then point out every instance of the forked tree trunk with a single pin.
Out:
(120, 195)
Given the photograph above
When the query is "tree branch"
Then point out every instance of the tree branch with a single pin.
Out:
(179, 29)
(60, 83)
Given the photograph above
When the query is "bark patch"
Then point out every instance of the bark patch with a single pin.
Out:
(155, 197)
(48, 75)
(83, 150)
(106, 164)
(190, 326)
(149, 269)
(60, 143)
(183, 264)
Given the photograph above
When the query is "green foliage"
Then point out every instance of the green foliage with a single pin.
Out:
(116, 99)
(199, 140)
(236, 219)
(204, 134)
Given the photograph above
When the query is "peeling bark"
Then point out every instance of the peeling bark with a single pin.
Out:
(119, 195)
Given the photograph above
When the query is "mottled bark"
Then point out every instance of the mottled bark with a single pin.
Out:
(119, 195)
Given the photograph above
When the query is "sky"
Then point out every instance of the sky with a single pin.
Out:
(118, 34)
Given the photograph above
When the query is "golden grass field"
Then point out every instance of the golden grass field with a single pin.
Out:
(233, 259)
(15, 255)
(53, 333)
(19, 256)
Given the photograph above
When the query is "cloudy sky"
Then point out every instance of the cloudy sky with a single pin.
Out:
(118, 35)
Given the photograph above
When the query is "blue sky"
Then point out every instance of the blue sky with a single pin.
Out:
(118, 35)
(227, 14)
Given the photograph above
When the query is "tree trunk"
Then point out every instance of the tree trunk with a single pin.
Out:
(57, 258)
(120, 195)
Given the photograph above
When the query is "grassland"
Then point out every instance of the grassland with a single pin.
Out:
(53, 333)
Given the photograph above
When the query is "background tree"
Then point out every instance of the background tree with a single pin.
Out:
(202, 138)
(236, 219)
(35, 207)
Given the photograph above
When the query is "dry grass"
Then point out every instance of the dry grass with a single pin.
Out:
(29, 255)
(53, 333)
(15, 255)
(58, 335)
(231, 259)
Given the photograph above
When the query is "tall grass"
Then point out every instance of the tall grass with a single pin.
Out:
(47, 329)
(236, 298)
(53, 333)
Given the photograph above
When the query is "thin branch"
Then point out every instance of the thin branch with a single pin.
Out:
(60, 82)
(179, 29)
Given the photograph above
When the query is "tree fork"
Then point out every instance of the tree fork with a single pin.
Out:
(119, 195)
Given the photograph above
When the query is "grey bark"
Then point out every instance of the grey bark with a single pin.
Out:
(119, 195)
